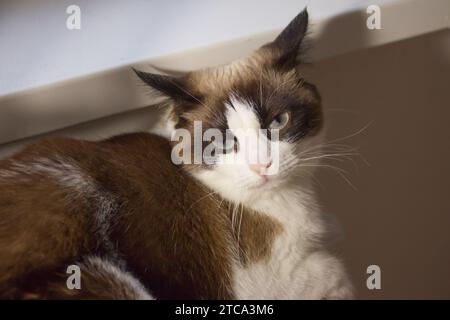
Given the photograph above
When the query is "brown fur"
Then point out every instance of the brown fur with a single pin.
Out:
(100, 280)
(255, 235)
(181, 246)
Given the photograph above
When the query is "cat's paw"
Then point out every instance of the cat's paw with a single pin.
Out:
(344, 292)
(341, 288)
(334, 283)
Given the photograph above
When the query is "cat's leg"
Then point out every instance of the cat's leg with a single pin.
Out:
(102, 279)
(331, 279)
(98, 278)
(43, 223)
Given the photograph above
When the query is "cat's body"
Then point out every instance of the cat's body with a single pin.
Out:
(60, 202)
(140, 226)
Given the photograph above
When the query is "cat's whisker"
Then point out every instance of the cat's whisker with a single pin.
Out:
(338, 170)
(199, 200)
(343, 110)
(353, 134)
(332, 151)
(331, 146)
(345, 152)
(220, 204)
(240, 224)
(260, 89)
(331, 156)
(310, 175)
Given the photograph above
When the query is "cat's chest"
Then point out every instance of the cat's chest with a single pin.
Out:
(214, 250)
(269, 275)
(269, 278)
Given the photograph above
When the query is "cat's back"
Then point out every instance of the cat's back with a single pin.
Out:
(66, 159)
(58, 195)
(65, 175)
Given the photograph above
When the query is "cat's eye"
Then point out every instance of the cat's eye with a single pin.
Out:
(280, 121)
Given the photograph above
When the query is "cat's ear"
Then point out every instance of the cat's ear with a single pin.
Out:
(171, 87)
(283, 51)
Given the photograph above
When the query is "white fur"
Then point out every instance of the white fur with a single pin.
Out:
(299, 267)
(240, 115)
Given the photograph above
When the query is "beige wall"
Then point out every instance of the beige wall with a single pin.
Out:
(399, 216)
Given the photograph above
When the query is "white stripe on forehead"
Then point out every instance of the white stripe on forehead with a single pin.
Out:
(241, 115)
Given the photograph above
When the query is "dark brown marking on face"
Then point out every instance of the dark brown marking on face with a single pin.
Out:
(273, 94)
(268, 80)
(269, 91)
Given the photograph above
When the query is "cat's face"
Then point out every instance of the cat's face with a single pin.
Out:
(232, 103)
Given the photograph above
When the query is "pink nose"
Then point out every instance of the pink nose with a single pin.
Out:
(260, 168)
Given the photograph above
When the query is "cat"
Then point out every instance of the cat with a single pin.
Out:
(141, 227)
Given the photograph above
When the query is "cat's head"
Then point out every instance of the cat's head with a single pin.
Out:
(263, 91)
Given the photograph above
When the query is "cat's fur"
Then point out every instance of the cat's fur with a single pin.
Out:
(140, 227)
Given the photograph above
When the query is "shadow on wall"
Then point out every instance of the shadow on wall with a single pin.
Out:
(343, 33)
(399, 214)
(70, 102)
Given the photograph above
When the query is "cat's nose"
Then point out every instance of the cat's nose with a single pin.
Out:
(260, 168)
